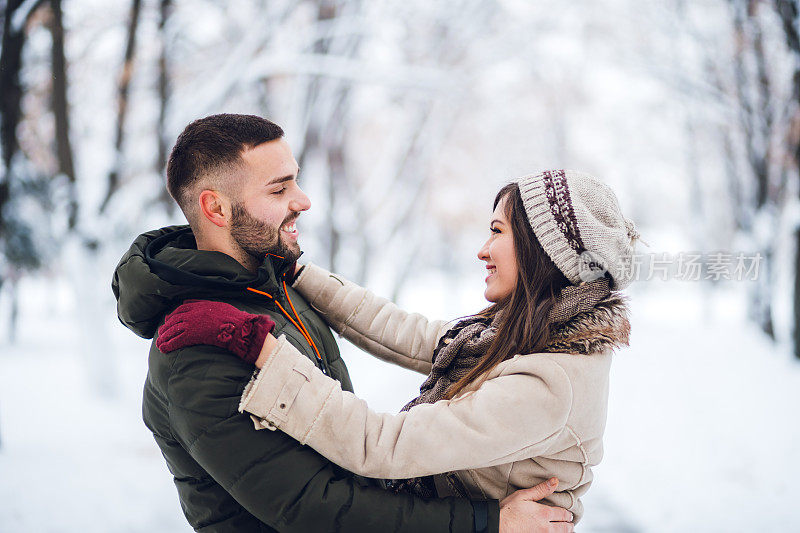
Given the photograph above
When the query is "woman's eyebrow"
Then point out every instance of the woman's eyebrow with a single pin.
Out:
(495, 221)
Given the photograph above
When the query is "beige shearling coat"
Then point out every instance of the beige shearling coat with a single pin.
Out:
(533, 417)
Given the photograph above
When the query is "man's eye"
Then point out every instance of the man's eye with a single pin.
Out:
(280, 191)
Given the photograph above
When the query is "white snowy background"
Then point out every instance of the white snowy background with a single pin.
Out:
(444, 102)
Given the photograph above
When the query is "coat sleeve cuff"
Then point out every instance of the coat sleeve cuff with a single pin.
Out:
(287, 393)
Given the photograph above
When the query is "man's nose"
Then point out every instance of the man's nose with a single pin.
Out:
(300, 202)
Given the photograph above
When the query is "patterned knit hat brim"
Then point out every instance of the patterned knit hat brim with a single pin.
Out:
(552, 231)
(579, 224)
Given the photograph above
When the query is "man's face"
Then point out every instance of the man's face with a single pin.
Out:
(268, 203)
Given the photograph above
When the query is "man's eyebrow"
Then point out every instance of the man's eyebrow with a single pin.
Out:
(280, 180)
(284, 178)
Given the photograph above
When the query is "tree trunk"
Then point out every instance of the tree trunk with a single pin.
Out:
(755, 105)
(61, 110)
(163, 97)
(122, 102)
(10, 103)
(13, 41)
(13, 318)
(788, 11)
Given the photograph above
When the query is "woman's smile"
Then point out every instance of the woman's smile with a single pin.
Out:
(492, 270)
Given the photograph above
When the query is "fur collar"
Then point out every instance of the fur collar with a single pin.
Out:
(604, 327)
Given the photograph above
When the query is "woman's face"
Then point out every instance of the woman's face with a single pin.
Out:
(501, 260)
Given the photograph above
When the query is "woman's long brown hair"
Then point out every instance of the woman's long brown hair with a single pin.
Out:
(523, 326)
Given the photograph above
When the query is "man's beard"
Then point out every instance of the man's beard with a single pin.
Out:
(257, 238)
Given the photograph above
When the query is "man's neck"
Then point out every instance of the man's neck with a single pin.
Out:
(246, 260)
(242, 257)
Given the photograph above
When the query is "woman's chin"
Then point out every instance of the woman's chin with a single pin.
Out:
(494, 294)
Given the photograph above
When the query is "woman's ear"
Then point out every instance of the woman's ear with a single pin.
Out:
(214, 207)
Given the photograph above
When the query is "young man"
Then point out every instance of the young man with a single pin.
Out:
(235, 179)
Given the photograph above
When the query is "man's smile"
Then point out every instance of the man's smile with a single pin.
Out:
(290, 229)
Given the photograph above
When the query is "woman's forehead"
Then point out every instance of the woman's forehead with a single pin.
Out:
(500, 211)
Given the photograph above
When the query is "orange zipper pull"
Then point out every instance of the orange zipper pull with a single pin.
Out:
(299, 324)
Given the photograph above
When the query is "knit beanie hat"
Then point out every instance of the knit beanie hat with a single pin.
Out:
(578, 222)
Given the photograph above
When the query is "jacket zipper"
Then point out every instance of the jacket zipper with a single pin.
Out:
(298, 324)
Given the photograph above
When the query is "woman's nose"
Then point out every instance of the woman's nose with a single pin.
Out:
(483, 253)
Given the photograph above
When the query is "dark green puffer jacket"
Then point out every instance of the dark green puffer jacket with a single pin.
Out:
(230, 477)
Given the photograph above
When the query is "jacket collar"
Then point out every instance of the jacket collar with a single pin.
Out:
(604, 327)
(185, 265)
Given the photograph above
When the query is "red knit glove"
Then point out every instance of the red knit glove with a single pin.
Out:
(216, 324)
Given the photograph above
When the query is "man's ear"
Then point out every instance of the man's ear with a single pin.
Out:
(214, 207)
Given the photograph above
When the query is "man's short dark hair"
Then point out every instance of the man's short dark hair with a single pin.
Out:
(209, 146)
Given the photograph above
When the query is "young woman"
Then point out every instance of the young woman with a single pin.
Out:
(515, 394)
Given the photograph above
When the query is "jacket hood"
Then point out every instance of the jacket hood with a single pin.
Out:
(163, 267)
(603, 327)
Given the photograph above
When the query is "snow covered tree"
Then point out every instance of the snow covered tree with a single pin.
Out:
(789, 12)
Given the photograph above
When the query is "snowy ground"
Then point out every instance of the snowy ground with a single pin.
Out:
(702, 432)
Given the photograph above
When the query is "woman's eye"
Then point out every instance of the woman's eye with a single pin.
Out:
(494, 230)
